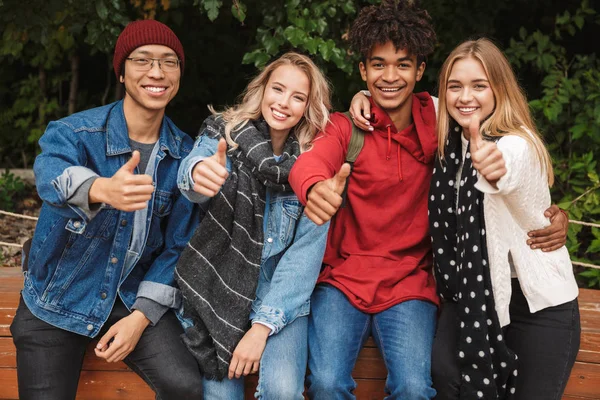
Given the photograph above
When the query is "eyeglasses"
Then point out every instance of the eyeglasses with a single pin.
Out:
(146, 64)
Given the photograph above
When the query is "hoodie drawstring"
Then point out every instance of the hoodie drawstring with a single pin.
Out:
(389, 152)
(399, 164)
(389, 149)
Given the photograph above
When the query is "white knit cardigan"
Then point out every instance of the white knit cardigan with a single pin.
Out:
(512, 209)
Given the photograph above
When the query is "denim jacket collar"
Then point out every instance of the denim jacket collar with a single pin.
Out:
(116, 143)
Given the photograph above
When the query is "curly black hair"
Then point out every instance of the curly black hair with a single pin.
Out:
(400, 21)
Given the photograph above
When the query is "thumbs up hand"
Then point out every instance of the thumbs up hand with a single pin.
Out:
(210, 174)
(325, 197)
(486, 157)
(125, 190)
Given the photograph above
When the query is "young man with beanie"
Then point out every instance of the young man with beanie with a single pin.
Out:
(110, 232)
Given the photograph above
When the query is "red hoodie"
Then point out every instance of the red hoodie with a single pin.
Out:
(379, 249)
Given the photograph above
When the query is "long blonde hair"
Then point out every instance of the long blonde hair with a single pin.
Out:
(511, 114)
(316, 114)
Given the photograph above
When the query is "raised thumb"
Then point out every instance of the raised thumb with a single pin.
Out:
(474, 134)
(340, 178)
(132, 163)
(222, 152)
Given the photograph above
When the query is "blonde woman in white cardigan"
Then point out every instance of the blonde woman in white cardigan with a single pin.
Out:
(509, 326)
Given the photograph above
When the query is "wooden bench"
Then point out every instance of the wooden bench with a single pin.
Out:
(103, 381)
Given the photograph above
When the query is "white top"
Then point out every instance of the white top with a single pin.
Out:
(512, 210)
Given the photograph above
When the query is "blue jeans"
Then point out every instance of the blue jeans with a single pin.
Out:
(337, 331)
(282, 368)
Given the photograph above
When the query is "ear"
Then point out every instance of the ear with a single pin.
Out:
(363, 71)
(420, 71)
(121, 79)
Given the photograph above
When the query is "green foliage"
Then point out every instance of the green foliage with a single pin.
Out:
(550, 44)
(11, 187)
(568, 114)
(592, 277)
(316, 28)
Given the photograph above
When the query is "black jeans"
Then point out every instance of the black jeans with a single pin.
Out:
(546, 342)
(49, 359)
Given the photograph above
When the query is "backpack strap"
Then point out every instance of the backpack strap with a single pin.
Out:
(357, 141)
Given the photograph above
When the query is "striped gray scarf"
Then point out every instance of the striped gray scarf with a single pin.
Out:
(218, 270)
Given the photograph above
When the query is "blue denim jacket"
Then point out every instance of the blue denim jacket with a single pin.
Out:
(292, 253)
(78, 263)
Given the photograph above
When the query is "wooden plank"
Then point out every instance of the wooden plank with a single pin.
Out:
(584, 381)
(9, 300)
(8, 354)
(93, 385)
(8, 384)
(10, 284)
(101, 380)
(10, 272)
(589, 350)
(369, 389)
(369, 365)
(590, 296)
(6, 317)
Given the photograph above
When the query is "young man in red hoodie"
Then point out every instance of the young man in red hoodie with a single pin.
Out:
(376, 277)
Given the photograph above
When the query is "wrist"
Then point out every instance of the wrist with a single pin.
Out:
(140, 317)
(260, 331)
(97, 191)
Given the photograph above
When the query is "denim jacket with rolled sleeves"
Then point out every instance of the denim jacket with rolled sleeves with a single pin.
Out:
(292, 254)
(79, 262)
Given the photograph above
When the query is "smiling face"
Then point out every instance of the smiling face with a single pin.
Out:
(468, 92)
(284, 100)
(150, 90)
(391, 75)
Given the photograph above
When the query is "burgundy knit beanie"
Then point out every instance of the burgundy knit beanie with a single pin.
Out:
(141, 33)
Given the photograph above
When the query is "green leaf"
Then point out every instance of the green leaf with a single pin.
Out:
(321, 25)
(312, 45)
(590, 273)
(212, 8)
(578, 131)
(326, 49)
(292, 4)
(101, 9)
(563, 19)
(348, 7)
(565, 205)
(238, 9)
(294, 35)
(522, 33)
(271, 43)
(257, 57)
